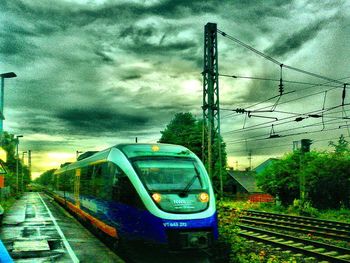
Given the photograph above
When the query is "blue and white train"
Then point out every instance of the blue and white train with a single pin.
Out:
(157, 193)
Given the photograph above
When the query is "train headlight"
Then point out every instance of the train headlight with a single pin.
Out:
(156, 197)
(203, 197)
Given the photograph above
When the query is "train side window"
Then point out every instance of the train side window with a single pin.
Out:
(116, 191)
(85, 181)
(123, 190)
(102, 179)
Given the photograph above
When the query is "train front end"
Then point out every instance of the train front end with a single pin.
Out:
(177, 193)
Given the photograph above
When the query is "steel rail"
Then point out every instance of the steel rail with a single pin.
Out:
(297, 239)
(300, 229)
(294, 244)
(299, 225)
(333, 224)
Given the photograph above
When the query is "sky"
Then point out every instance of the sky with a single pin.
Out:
(95, 73)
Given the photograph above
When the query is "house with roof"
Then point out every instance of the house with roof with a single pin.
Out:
(261, 167)
(242, 184)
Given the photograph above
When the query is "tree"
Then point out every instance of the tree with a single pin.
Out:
(328, 180)
(342, 146)
(46, 178)
(9, 143)
(326, 175)
(281, 178)
(184, 129)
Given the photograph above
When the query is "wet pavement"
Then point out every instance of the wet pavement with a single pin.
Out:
(37, 229)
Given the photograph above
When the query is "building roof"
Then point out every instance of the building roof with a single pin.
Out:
(246, 180)
(261, 167)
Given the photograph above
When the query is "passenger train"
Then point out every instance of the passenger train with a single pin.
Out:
(156, 193)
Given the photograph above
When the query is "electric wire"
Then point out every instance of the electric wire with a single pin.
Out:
(278, 146)
(281, 103)
(258, 126)
(323, 113)
(264, 101)
(277, 80)
(275, 61)
(260, 138)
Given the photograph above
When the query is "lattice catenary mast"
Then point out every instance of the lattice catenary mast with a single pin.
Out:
(211, 108)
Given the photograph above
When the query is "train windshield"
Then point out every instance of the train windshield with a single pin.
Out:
(170, 174)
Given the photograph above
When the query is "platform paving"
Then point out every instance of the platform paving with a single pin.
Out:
(37, 229)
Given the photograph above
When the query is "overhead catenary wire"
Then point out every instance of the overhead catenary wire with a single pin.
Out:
(256, 149)
(281, 103)
(289, 119)
(286, 93)
(278, 80)
(275, 61)
(286, 135)
(331, 122)
(327, 114)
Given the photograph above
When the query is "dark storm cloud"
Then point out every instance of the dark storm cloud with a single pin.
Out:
(104, 57)
(13, 45)
(47, 145)
(167, 101)
(168, 8)
(151, 40)
(102, 121)
(290, 43)
(68, 14)
(131, 76)
(122, 69)
(37, 121)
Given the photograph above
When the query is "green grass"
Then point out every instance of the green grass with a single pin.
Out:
(234, 249)
(342, 215)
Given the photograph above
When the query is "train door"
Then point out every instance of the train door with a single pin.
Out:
(77, 187)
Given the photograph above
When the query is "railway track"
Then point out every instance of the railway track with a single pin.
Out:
(300, 220)
(318, 250)
(305, 225)
(261, 227)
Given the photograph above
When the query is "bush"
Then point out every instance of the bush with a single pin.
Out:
(304, 209)
(327, 183)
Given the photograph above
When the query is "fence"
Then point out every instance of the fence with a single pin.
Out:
(261, 198)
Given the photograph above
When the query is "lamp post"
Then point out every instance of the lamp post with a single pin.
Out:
(17, 159)
(4, 76)
(22, 175)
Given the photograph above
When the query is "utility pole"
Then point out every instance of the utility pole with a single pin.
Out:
(211, 106)
(305, 148)
(30, 163)
(295, 145)
(23, 153)
(17, 161)
(250, 159)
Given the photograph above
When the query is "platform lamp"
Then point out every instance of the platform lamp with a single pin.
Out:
(4, 76)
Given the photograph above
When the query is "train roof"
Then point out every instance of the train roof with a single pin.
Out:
(158, 149)
(132, 150)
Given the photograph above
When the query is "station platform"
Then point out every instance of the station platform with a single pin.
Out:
(37, 229)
